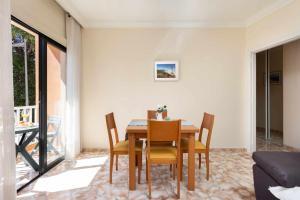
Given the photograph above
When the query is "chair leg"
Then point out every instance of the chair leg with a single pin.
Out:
(181, 166)
(139, 167)
(199, 160)
(207, 165)
(174, 168)
(136, 160)
(178, 177)
(111, 164)
(117, 157)
(149, 178)
(146, 169)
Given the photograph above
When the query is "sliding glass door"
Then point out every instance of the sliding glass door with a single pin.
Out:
(269, 97)
(40, 95)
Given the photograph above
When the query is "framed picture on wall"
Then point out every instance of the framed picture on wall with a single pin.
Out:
(166, 71)
(275, 78)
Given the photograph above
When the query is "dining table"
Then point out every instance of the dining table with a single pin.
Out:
(27, 133)
(137, 129)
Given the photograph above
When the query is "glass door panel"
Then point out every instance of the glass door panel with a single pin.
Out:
(275, 95)
(261, 97)
(26, 103)
(56, 96)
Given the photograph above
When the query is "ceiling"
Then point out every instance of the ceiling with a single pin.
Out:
(170, 13)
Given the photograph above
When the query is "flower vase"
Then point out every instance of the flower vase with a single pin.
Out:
(159, 116)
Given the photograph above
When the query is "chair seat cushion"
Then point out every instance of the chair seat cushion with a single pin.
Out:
(281, 166)
(198, 145)
(163, 153)
(122, 146)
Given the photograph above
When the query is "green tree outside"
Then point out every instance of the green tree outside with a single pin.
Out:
(19, 68)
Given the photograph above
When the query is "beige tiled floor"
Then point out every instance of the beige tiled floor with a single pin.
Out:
(275, 144)
(87, 178)
(24, 171)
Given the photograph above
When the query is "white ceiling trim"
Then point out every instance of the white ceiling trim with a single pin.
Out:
(166, 24)
(267, 11)
(70, 8)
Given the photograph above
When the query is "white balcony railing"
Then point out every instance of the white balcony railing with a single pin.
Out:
(31, 111)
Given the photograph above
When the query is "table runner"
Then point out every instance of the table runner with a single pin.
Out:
(144, 123)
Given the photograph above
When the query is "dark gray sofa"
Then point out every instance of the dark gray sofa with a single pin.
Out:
(275, 169)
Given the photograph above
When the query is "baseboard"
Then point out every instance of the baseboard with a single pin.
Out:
(262, 129)
(212, 150)
(93, 150)
(292, 149)
(237, 150)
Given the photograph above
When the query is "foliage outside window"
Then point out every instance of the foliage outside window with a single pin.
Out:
(19, 35)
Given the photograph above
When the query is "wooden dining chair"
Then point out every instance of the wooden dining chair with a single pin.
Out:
(151, 114)
(120, 147)
(160, 131)
(207, 123)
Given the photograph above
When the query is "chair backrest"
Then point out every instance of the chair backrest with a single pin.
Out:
(111, 125)
(151, 114)
(53, 124)
(207, 123)
(164, 130)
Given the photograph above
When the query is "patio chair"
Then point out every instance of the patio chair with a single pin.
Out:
(53, 131)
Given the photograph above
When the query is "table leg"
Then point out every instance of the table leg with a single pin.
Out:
(20, 142)
(131, 153)
(22, 149)
(191, 163)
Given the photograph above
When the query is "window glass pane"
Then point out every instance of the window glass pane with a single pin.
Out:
(56, 95)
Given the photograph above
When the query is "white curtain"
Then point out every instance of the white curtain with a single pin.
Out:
(73, 88)
(7, 136)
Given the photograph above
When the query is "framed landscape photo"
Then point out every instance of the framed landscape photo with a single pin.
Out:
(166, 71)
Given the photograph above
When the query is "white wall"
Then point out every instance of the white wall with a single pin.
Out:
(46, 16)
(117, 75)
(291, 95)
(273, 30)
(215, 75)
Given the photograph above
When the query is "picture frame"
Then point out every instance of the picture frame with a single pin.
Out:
(276, 78)
(166, 71)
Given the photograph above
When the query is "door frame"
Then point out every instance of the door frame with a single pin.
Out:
(43, 41)
(252, 55)
(43, 67)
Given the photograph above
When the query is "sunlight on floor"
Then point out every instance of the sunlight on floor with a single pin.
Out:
(89, 162)
(26, 195)
(73, 179)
